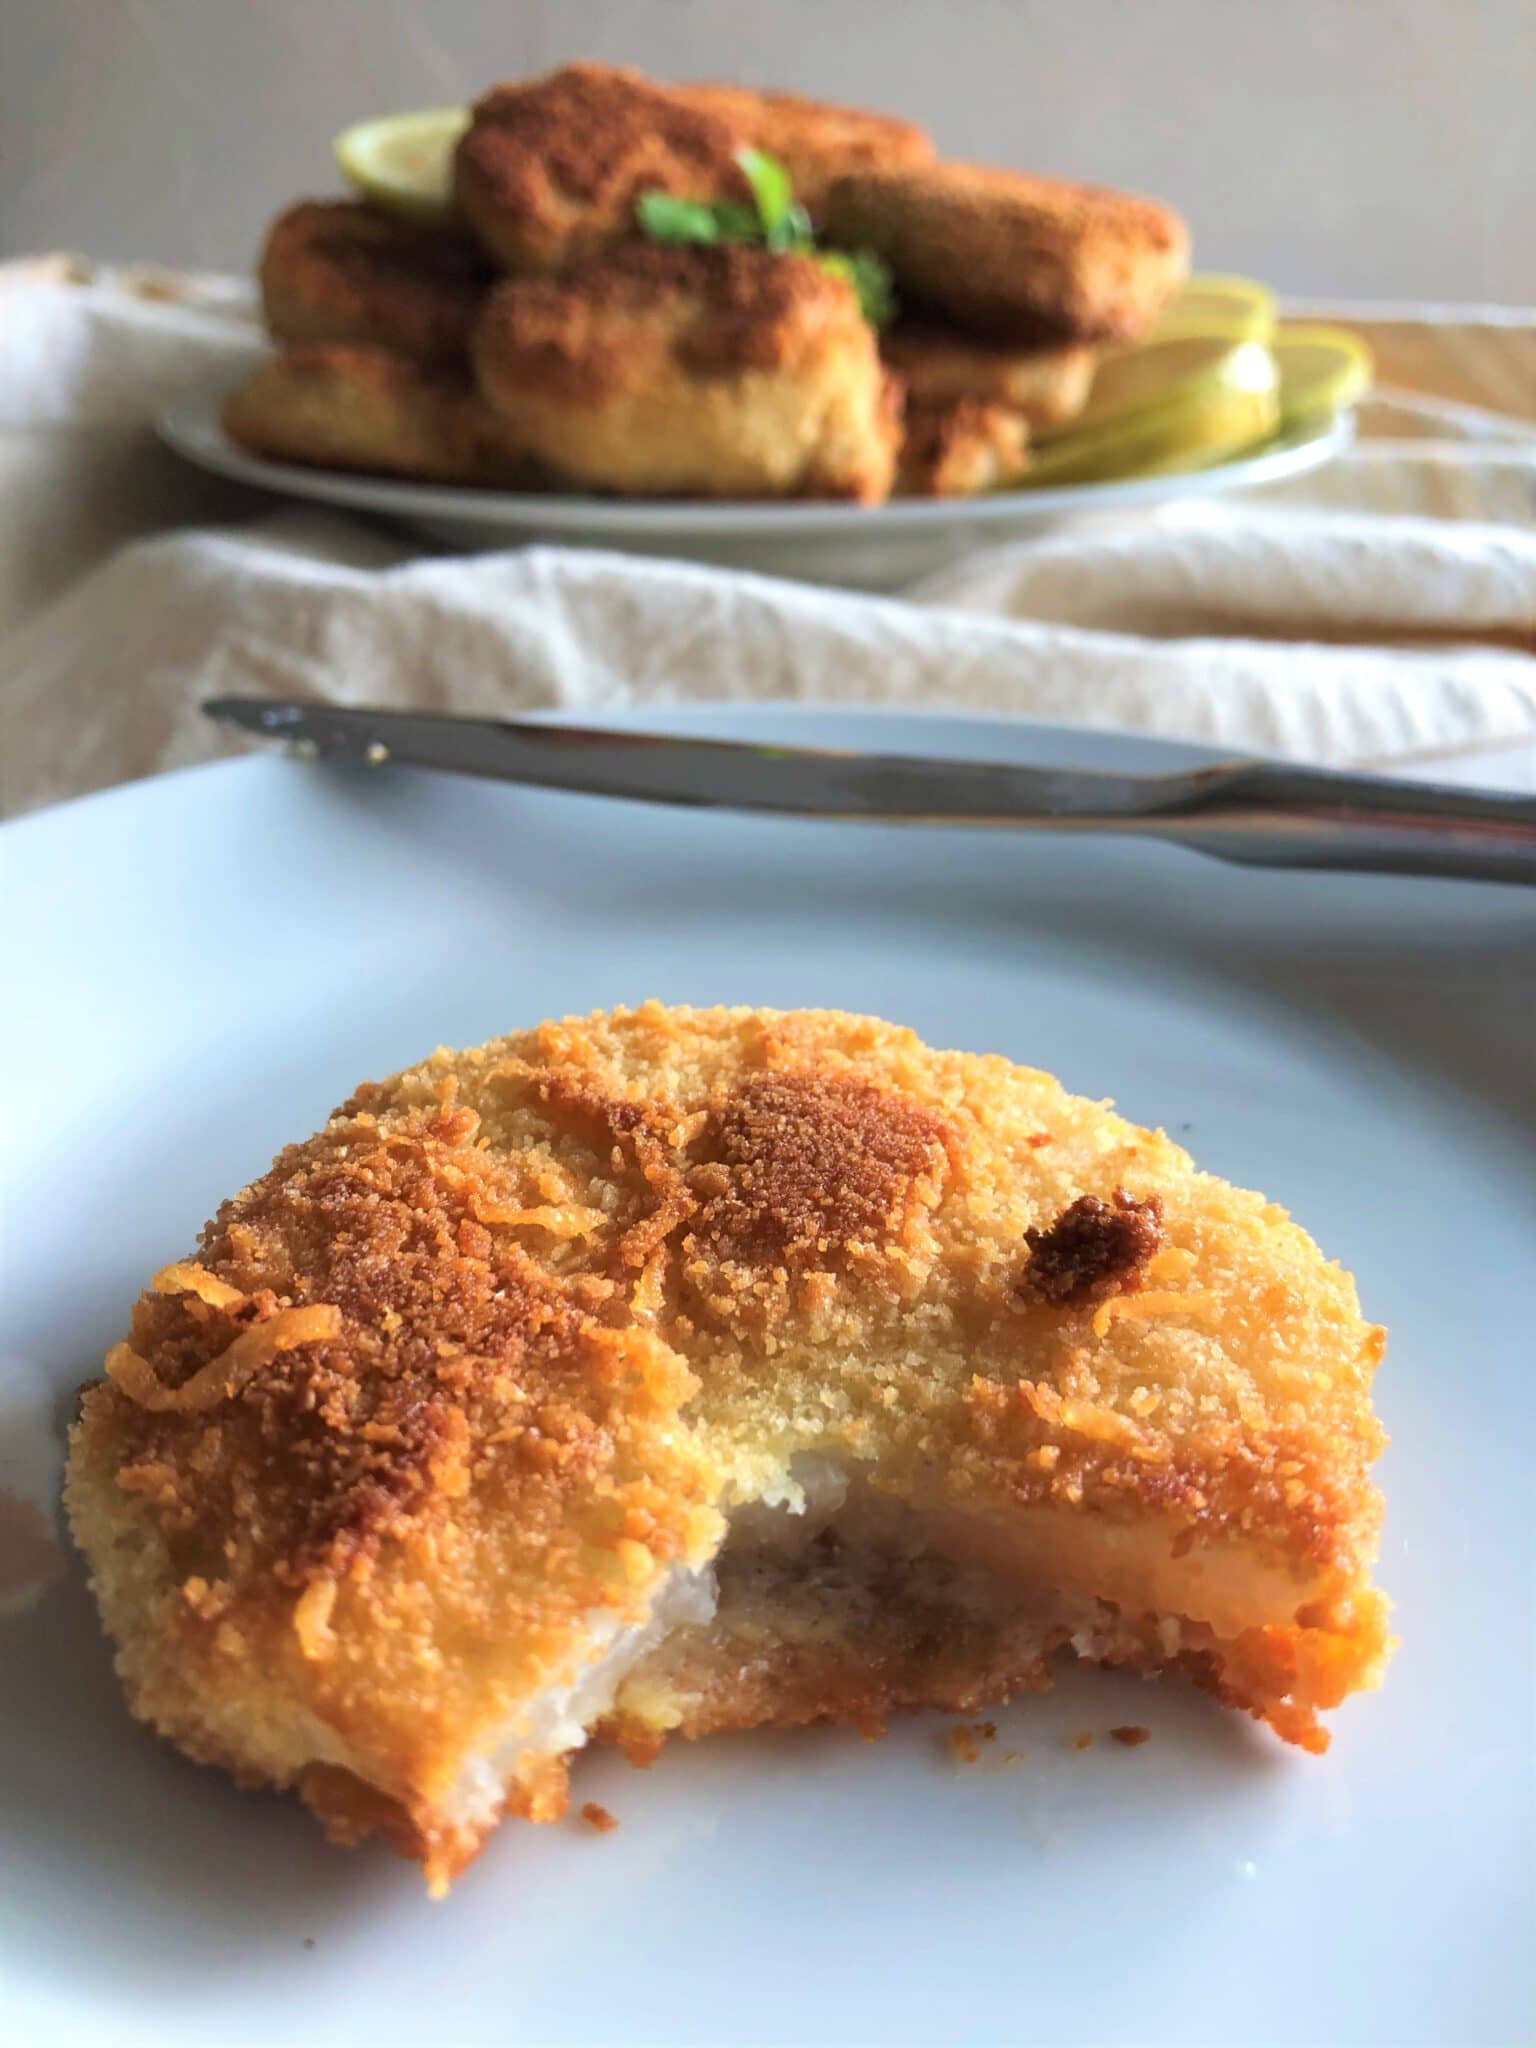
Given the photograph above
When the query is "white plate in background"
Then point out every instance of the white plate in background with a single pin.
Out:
(203, 965)
(874, 547)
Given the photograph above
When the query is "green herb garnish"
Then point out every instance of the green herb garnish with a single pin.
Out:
(665, 219)
(870, 277)
(786, 226)
(776, 220)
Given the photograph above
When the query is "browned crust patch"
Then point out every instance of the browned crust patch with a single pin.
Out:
(1012, 255)
(809, 1172)
(549, 170)
(337, 271)
(815, 140)
(717, 311)
(1094, 1249)
(443, 1329)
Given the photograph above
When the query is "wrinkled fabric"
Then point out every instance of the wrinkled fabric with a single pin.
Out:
(132, 587)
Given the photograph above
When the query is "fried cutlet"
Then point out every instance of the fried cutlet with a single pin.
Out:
(548, 171)
(941, 366)
(721, 372)
(368, 409)
(673, 1370)
(958, 447)
(816, 142)
(336, 270)
(1016, 257)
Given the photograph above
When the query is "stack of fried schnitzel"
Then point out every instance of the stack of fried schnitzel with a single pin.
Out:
(537, 338)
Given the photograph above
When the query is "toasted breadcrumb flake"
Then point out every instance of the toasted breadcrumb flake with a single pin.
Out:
(964, 1743)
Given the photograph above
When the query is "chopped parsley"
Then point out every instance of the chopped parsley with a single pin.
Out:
(776, 220)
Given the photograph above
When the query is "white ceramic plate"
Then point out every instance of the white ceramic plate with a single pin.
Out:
(203, 965)
(868, 546)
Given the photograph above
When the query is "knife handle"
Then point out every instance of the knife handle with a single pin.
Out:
(1270, 815)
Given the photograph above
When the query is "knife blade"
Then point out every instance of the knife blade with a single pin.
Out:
(1253, 812)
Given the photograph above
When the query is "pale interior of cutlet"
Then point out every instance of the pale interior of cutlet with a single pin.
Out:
(837, 1601)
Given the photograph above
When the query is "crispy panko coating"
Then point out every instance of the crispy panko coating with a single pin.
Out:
(1016, 257)
(369, 409)
(817, 143)
(958, 447)
(671, 1369)
(336, 270)
(548, 171)
(939, 366)
(721, 372)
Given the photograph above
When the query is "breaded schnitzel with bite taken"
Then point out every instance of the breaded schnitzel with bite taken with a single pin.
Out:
(669, 1370)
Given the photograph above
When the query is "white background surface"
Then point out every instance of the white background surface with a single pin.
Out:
(1352, 147)
(1358, 1048)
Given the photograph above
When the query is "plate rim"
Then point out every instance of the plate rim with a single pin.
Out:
(190, 426)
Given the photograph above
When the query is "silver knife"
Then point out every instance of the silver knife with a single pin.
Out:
(1260, 813)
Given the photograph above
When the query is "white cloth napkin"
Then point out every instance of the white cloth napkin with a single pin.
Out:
(131, 587)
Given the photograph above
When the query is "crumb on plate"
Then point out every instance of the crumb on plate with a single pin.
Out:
(964, 1743)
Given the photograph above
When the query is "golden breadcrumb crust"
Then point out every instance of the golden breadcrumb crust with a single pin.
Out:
(349, 407)
(1015, 256)
(815, 141)
(941, 365)
(549, 170)
(335, 270)
(716, 371)
(958, 447)
(491, 1356)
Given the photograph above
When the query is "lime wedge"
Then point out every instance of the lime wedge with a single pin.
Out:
(1171, 373)
(1232, 306)
(404, 162)
(1323, 370)
(1167, 407)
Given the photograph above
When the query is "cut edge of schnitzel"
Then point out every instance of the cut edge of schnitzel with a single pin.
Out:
(831, 1604)
(905, 1367)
